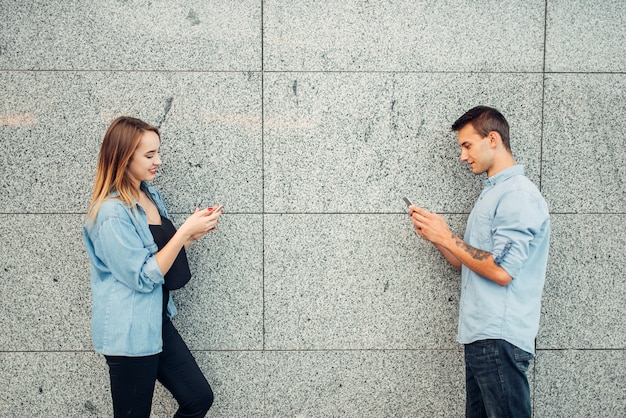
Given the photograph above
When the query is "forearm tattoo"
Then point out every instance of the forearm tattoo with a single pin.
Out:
(474, 252)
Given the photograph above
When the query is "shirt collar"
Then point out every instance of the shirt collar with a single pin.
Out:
(143, 186)
(505, 174)
(149, 190)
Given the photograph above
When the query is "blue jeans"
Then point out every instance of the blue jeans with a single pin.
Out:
(133, 379)
(496, 384)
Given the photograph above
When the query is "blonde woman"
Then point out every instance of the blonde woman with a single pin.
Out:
(137, 256)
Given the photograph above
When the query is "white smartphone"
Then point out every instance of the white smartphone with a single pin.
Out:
(407, 201)
(218, 207)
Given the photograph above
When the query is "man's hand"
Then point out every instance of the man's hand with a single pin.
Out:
(434, 228)
(430, 226)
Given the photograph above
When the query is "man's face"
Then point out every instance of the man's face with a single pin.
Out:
(475, 149)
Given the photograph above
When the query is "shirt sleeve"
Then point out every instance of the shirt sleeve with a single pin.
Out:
(120, 248)
(518, 219)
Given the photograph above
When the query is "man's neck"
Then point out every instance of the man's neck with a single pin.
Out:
(502, 163)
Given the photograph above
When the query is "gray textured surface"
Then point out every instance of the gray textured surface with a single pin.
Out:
(583, 304)
(586, 36)
(54, 384)
(337, 142)
(313, 298)
(584, 147)
(222, 306)
(51, 133)
(355, 282)
(364, 384)
(76, 385)
(580, 383)
(404, 35)
(44, 284)
(131, 35)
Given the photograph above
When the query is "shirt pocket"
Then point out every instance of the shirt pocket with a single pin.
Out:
(481, 232)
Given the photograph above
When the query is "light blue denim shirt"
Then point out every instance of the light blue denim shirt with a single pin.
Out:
(511, 221)
(126, 281)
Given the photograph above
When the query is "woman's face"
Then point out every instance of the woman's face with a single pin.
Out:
(145, 160)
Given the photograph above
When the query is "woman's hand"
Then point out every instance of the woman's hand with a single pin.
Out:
(200, 223)
(196, 226)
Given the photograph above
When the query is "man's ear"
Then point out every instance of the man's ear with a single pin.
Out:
(494, 139)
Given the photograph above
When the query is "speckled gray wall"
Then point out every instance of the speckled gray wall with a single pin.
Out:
(314, 298)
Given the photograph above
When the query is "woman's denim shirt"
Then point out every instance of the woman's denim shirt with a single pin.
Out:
(126, 281)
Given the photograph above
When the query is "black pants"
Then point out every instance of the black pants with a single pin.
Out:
(133, 379)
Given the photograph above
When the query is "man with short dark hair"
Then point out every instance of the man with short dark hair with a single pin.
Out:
(502, 259)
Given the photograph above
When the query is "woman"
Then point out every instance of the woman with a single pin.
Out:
(137, 257)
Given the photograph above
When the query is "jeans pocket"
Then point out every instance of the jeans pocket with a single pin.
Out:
(521, 355)
(522, 358)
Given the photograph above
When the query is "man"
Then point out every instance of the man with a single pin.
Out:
(502, 259)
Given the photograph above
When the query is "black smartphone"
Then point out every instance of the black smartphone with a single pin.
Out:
(407, 201)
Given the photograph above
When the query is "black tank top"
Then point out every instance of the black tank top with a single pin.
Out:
(178, 275)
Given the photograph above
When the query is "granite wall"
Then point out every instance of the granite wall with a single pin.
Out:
(314, 298)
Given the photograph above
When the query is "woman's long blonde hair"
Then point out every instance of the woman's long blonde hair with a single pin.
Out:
(120, 142)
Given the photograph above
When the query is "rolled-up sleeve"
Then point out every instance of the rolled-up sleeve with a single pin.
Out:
(121, 249)
(518, 219)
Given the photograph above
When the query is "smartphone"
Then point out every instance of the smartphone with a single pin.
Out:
(407, 201)
(218, 207)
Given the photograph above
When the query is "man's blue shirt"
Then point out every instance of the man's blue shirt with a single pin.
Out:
(511, 221)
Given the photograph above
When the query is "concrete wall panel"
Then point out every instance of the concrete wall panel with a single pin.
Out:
(51, 133)
(583, 304)
(403, 35)
(346, 142)
(580, 383)
(585, 36)
(584, 163)
(311, 120)
(131, 35)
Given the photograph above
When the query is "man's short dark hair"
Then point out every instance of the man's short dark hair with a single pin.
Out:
(485, 119)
